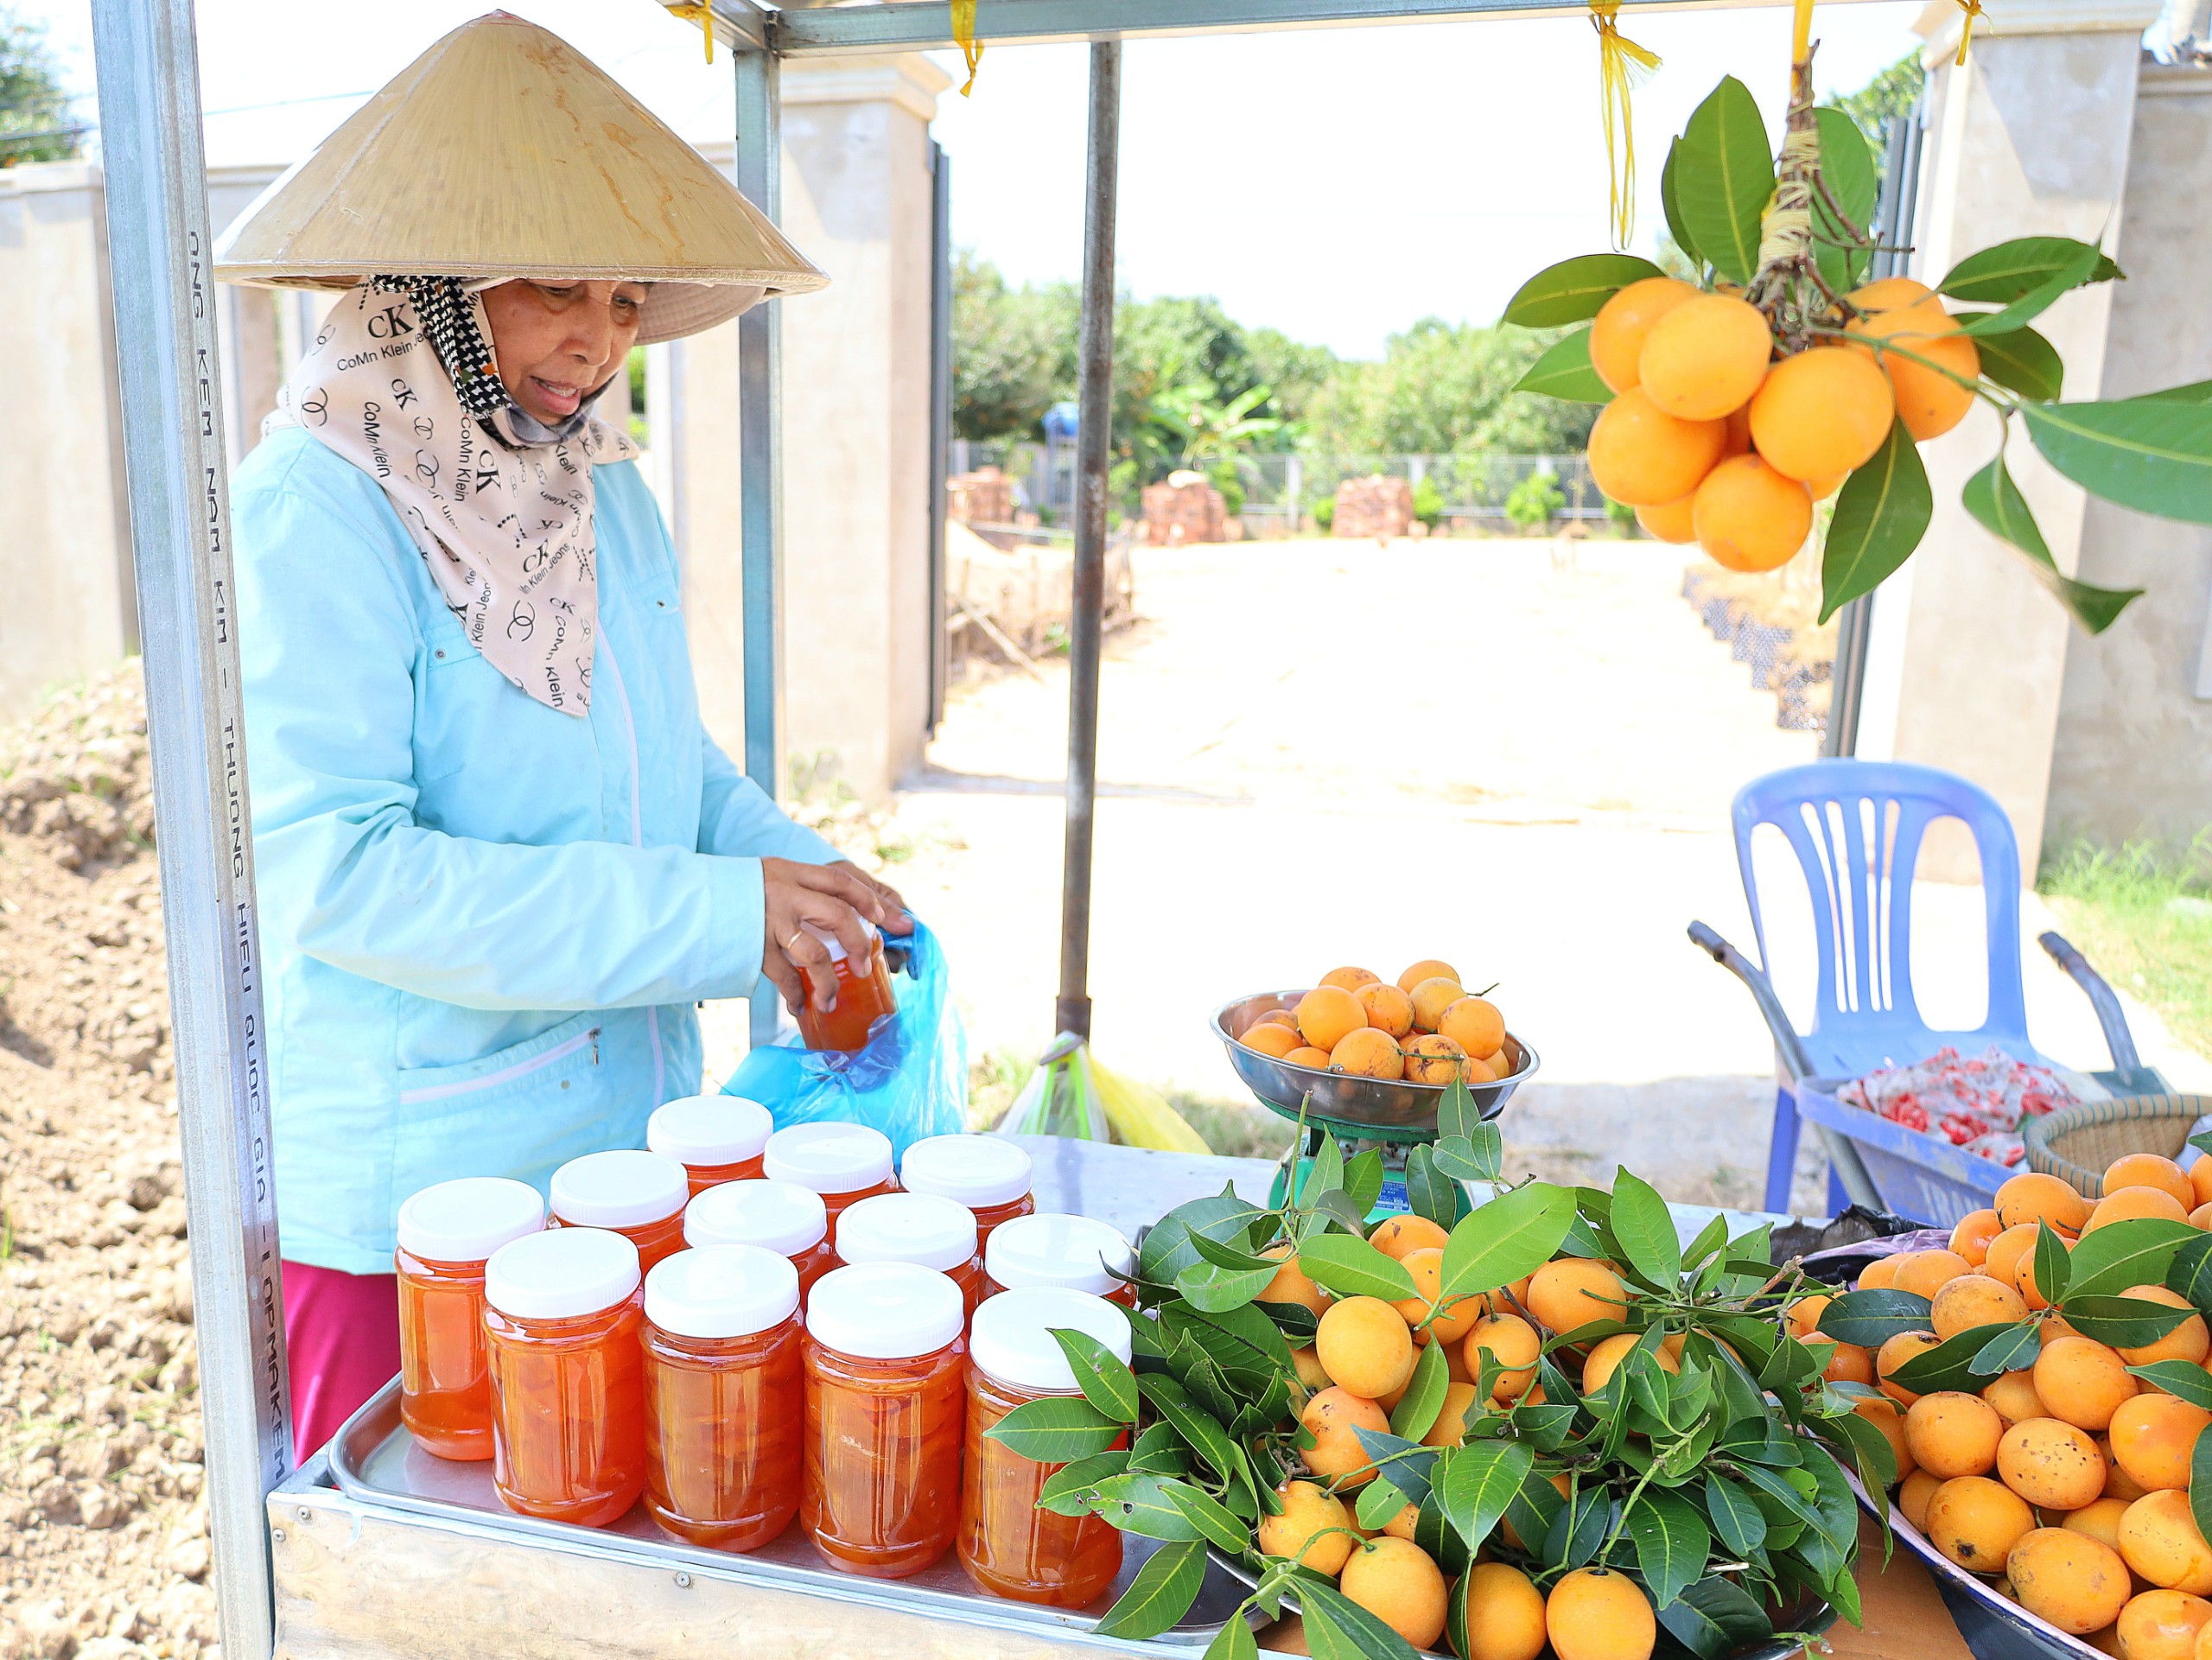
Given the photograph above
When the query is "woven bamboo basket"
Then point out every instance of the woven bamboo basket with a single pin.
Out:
(2077, 1144)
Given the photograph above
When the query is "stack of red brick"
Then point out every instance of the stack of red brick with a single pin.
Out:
(1376, 508)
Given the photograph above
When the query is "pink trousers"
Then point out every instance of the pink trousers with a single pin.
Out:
(341, 1333)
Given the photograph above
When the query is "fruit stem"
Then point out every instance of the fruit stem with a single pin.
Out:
(1979, 387)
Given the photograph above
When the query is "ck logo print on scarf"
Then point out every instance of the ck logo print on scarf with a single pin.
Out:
(505, 526)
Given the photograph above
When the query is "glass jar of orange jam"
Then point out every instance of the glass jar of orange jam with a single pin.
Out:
(779, 1215)
(716, 1138)
(1009, 1546)
(1072, 1253)
(724, 1402)
(446, 1235)
(885, 1383)
(862, 994)
(987, 1174)
(844, 1163)
(560, 1319)
(640, 1196)
(918, 1228)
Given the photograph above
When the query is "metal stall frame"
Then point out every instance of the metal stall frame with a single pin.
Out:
(160, 240)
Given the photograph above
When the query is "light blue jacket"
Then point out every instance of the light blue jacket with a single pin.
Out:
(484, 923)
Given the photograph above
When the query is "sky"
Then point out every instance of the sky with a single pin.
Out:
(1337, 184)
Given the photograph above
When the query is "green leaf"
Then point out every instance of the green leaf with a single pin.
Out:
(1245, 1342)
(1057, 1430)
(1327, 1173)
(1992, 497)
(1379, 1500)
(1869, 1448)
(1061, 1494)
(2053, 1270)
(2123, 1254)
(2003, 273)
(1103, 1376)
(1545, 1427)
(1415, 1413)
(1671, 1542)
(1950, 1364)
(1716, 1617)
(1777, 1487)
(1738, 1521)
(1406, 1462)
(1476, 1157)
(1167, 1250)
(1564, 372)
(2038, 299)
(1847, 170)
(1337, 1628)
(2012, 1349)
(1457, 1115)
(1429, 1192)
(1158, 1451)
(1645, 1229)
(1203, 1511)
(2200, 1485)
(2190, 1272)
(1233, 1641)
(1724, 176)
(2197, 391)
(1881, 513)
(1222, 1254)
(1364, 1181)
(1478, 1485)
(2025, 361)
(1710, 1238)
(1217, 1289)
(1512, 1236)
(2181, 1379)
(1191, 1422)
(1139, 1504)
(1575, 289)
(1534, 1509)
(2124, 1322)
(1870, 1319)
(2153, 456)
(1671, 203)
(1579, 1528)
(1162, 1592)
(1352, 1268)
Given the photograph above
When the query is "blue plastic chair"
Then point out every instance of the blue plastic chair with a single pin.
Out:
(1856, 827)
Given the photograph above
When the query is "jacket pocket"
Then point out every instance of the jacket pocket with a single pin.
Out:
(520, 1111)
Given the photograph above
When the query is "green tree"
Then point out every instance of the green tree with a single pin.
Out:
(35, 123)
(1884, 101)
(1013, 351)
(1442, 388)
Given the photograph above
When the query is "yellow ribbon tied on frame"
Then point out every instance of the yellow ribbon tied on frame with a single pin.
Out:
(703, 16)
(963, 37)
(1973, 9)
(1623, 65)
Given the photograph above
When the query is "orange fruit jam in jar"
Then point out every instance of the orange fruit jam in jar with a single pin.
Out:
(918, 1228)
(862, 993)
(779, 1215)
(844, 1163)
(640, 1196)
(886, 1386)
(560, 1319)
(446, 1233)
(1069, 1253)
(1009, 1546)
(716, 1138)
(724, 1402)
(987, 1174)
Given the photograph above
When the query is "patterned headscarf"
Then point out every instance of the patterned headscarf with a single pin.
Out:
(500, 507)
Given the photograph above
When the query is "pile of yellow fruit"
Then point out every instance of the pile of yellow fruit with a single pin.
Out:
(1713, 439)
(2067, 1480)
(1357, 1368)
(1425, 1029)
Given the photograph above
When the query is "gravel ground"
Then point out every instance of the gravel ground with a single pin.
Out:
(103, 1525)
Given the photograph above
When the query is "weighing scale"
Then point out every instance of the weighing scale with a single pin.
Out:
(1390, 1116)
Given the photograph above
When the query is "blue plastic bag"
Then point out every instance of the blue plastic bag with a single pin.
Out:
(910, 1081)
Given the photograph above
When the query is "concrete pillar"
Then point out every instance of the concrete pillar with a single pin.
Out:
(2028, 137)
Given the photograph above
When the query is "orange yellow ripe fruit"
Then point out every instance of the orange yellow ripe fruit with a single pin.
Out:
(2011, 1247)
(2069, 1579)
(1954, 1434)
(1643, 457)
(1514, 1344)
(1428, 969)
(1328, 1015)
(1893, 1353)
(1929, 402)
(1399, 1236)
(1290, 1284)
(1849, 1364)
(1307, 1055)
(1975, 1521)
(2014, 1396)
(1623, 322)
(2161, 1625)
(1368, 1053)
(2188, 1341)
(2153, 1437)
(2132, 1204)
(2051, 1463)
(1475, 1025)
(1749, 518)
(1824, 411)
(1395, 1580)
(1972, 1299)
(1913, 1494)
(1453, 1320)
(2082, 1381)
(1595, 1613)
(1308, 1511)
(1574, 1292)
(1271, 1038)
(1606, 1355)
(2159, 1539)
(1928, 1272)
(2149, 1170)
(1387, 1008)
(2031, 1196)
(1970, 1239)
(1885, 1416)
(1706, 357)
(1670, 521)
(1495, 1613)
(1431, 998)
(1365, 1347)
(1430, 1059)
(2099, 1518)
(1451, 1425)
(1880, 1274)
(1351, 979)
(1332, 1416)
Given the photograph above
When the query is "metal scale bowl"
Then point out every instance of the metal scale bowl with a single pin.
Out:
(1361, 1112)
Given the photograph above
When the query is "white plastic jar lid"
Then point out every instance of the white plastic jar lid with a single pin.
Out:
(467, 1219)
(1012, 1337)
(1071, 1252)
(624, 1189)
(976, 1170)
(779, 1215)
(830, 1158)
(561, 1274)
(907, 1228)
(885, 1311)
(722, 1291)
(708, 1129)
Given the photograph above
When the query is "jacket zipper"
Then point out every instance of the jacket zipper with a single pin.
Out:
(637, 839)
(505, 1074)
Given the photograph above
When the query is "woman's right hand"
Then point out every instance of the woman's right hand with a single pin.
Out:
(833, 898)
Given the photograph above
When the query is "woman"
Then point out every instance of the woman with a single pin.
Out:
(499, 859)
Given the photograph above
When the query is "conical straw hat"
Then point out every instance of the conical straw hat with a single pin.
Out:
(503, 152)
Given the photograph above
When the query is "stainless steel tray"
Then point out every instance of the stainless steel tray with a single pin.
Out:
(375, 1459)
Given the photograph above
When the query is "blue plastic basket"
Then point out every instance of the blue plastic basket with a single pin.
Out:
(1919, 1176)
